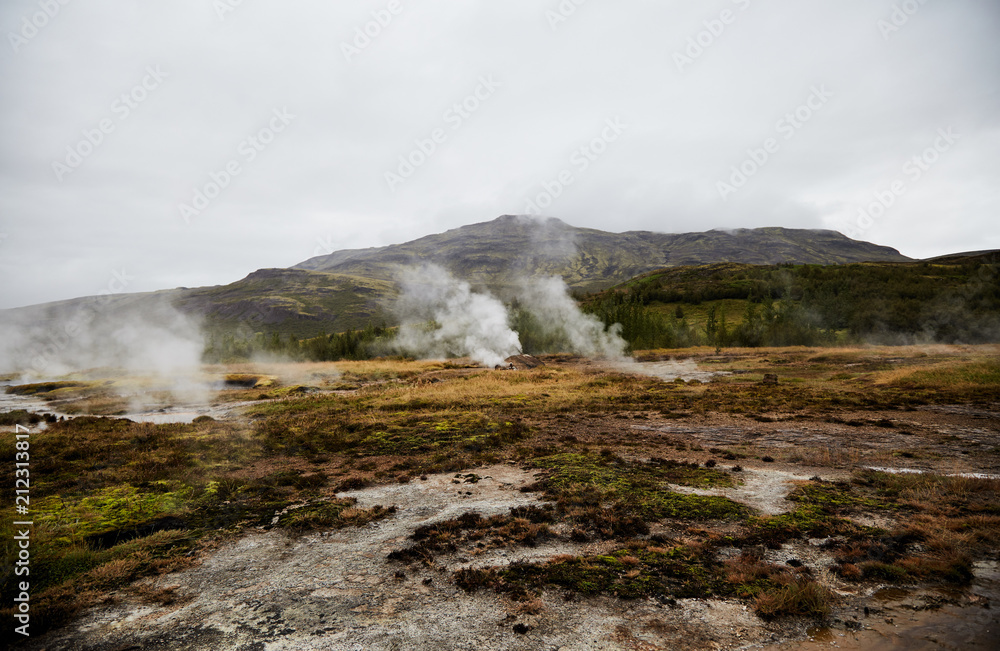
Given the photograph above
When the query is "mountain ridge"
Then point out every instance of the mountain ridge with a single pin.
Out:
(588, 259)
(351, 288)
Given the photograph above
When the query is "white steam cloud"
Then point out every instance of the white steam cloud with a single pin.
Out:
(560, 319)
(442, 316)
(149, 338)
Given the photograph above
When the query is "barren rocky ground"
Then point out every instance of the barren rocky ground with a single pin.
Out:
(272, 588)
(337, 591)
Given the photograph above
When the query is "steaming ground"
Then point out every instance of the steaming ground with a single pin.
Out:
(668, 371)
(337, 590)
(156, 345)
(443, 317)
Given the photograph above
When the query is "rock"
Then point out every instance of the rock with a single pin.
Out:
(523, 362)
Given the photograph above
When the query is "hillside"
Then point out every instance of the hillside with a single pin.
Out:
(291, 301)
(990, 255)
(499, 252)
(954, 299)
(353, 288)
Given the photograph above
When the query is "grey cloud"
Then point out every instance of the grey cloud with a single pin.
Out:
(322, 179)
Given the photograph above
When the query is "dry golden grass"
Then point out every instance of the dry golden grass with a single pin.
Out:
(964, 374)
(797, 599)
(530, 606)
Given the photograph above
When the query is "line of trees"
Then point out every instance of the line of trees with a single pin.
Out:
(767, 323)
(811, 305)
(366, 343)
(784, 305)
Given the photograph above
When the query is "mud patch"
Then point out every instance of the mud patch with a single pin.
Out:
(669, 371)
(918, 620)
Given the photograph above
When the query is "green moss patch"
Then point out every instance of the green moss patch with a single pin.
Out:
(839, 497)
(640, 489)
(805, 521)
(663, 573)
(629, 573)
(331, 514)
(43, 389)
(118, 509)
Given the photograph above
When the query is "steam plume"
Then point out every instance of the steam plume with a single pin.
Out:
(441, 316)
(149, 339)
(561, 320)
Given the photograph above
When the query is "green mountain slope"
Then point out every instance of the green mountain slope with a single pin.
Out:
(499, 252)
(951, 299)
(290, 301)
(352, 288)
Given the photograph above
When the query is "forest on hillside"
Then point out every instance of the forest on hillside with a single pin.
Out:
(786, 305)
(731, 305)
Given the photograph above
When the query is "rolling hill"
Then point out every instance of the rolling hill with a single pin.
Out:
(949, 299)
(351, 288)
(499, 252)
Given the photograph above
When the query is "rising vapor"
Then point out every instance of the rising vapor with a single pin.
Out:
(560, 320)
(155, 340)
(442, 316)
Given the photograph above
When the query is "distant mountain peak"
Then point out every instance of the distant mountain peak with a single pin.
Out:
(509, 246)
(350, 288)
(527, 222)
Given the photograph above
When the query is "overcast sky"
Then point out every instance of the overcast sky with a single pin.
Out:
(163, 143)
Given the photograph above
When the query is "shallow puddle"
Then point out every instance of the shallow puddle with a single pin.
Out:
(669, 371)
(917, 471)
(899, 620)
